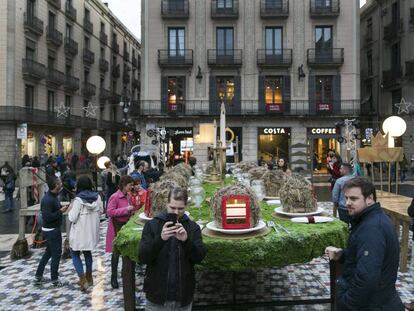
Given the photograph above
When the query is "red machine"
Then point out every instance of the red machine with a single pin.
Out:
(235, 210)
(147, 206)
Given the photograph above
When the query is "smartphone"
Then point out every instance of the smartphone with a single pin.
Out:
(172, 217)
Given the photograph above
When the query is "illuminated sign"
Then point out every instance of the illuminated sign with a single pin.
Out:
(275, 131)
(323, 131)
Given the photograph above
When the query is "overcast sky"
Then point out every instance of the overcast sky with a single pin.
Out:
(129, 13)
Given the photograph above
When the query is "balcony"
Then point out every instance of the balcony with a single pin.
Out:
(33, 25)
(412, 16)
(228, 9)
(88, 56)
(126, 56)
(324, 8)
(70, 11)
(135, 84)
(134, 62)
(175, 9)
(88, 89)
(104, 94)
(55, 3)
(392, 77)
(175, 58)
(55, 77)
(116, 71)
(274, 8)
(103, 65)
(115, 47)
(224, 58)
(103, 37)
(393, 30)
(71, 47)
(33, 71)
(71, 84)
(409, 69)
(53, 36)
(126, 78)
(87, 25)
(274, 58)
(325, 57)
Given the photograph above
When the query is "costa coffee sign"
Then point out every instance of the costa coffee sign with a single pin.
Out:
(274, 131)
(323, 131)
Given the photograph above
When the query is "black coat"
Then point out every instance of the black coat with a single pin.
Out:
(410, 212)
(154, 252)
(370, 264)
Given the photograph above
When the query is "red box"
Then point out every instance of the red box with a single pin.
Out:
(235, 211)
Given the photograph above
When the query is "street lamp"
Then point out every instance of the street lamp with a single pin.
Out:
(95, 145)
(394, 126)
(101, 162)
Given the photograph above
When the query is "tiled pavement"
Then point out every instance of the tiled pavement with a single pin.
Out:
(291, 282)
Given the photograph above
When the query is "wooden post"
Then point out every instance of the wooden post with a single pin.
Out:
(396, 177)
(389, 176)
(335, 271)
(381, 181)
(128, 283)
(404, 246)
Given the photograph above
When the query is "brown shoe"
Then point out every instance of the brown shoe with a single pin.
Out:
(409, 306)
(83, 284)
(89, 278)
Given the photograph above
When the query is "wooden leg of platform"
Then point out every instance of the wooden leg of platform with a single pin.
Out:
(128, 283)
(404, 246)
(335, 269)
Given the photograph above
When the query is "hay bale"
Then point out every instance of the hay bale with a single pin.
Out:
(159, 195)
(273, 181)
(297, 196)
(179, 178)
(257, 172)
(245, 166)
(183, 169)
(237, 189)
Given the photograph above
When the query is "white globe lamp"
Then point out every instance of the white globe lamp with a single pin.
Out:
(95, 144)
(394, 126)
(101, 162)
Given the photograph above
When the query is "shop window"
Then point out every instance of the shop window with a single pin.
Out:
(225, 90)
(273, 93)
(176, 93)
(324, 93)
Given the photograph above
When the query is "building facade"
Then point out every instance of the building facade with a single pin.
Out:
(67, 65)
(387, 65)
(287, 71)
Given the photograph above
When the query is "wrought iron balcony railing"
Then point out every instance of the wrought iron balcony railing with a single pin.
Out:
(103, 37)
(175, 9)
(88, 56)
(175, 58)
(55, 77)
(115, 47)
(55, 3)
(71, 84)
(224, 58)
(274, 8)
(87, 25)
(53, 36)
(104, 94)
(274, 58)
(412, 16)
(225, 9)
(134, 62)
(126, 56)
(325, 57)
(70, 11)
(103, 65)
(409, 69)
(88, 89)
(391, 77)
(116, 71)
(71, 46)
(33, 70)
(324, 8)
(393, 30)
(33, 24)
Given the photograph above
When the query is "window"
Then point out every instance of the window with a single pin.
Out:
(68, 69)
(176, 41)
(86, 75)
(323, 4)
(52, 20)
(176, 5)
(369, 63)
(102, 52)
(369, 28)
(274, 41)
(224, 4)
(68, 101)
(323, 37)
(273, 93)
(273, 4)
(224, 40)
(85, 104)
(50, 101)
(396, 56)
(30, 10)
(30, 49)
(176, 93)
(87, 43)
(114, 113)
(324, 93)
(102, 27)
(29, 96)
(50, 62)
(68, 31)
(87, 15)
(225, 90)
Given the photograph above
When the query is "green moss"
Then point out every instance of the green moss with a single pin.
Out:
(306, 241)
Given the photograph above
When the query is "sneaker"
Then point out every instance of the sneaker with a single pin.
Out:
(57, 283)
(39, 280)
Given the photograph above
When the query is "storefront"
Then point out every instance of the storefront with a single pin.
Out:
(234, 139)
(178, 143)
(67, 144)
(273, 142)
(28, 145)
(322, 140)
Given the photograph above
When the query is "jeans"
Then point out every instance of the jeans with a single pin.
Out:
(54, 250)
(168, 306)
(8, 199)
(77, 261)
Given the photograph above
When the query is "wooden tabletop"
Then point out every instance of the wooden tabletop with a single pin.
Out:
(395, 204)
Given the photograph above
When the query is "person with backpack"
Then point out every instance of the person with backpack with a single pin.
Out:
(84, 216)
(9, 187)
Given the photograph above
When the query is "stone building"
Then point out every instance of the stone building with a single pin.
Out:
(57, 58)
(387, 65)
(287, 71)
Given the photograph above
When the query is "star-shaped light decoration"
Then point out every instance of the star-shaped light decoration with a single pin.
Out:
(90, 110)
(403, 106)
(62, 111)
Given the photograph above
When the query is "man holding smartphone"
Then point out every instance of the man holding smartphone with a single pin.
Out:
(171, 245)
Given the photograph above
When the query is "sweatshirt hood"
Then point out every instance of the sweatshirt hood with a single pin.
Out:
(88, 197)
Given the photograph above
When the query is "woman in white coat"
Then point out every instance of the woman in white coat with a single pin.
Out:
(84, 216)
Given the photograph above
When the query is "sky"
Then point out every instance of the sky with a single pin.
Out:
(128, 12)
(362, 2)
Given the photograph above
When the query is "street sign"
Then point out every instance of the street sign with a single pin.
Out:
(22, 131)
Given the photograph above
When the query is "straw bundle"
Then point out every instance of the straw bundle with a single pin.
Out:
(183, 169)
(257, 172)
(297, 196)
(237, 189)
(245, 166)
(177, 176)
(159, 195)
(273, 181)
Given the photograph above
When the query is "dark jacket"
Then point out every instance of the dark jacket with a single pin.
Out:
(51, 214)
(410, 211)
(155, 253)
(370, 264)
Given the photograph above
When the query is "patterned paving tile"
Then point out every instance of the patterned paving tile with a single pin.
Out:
(17, 291)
